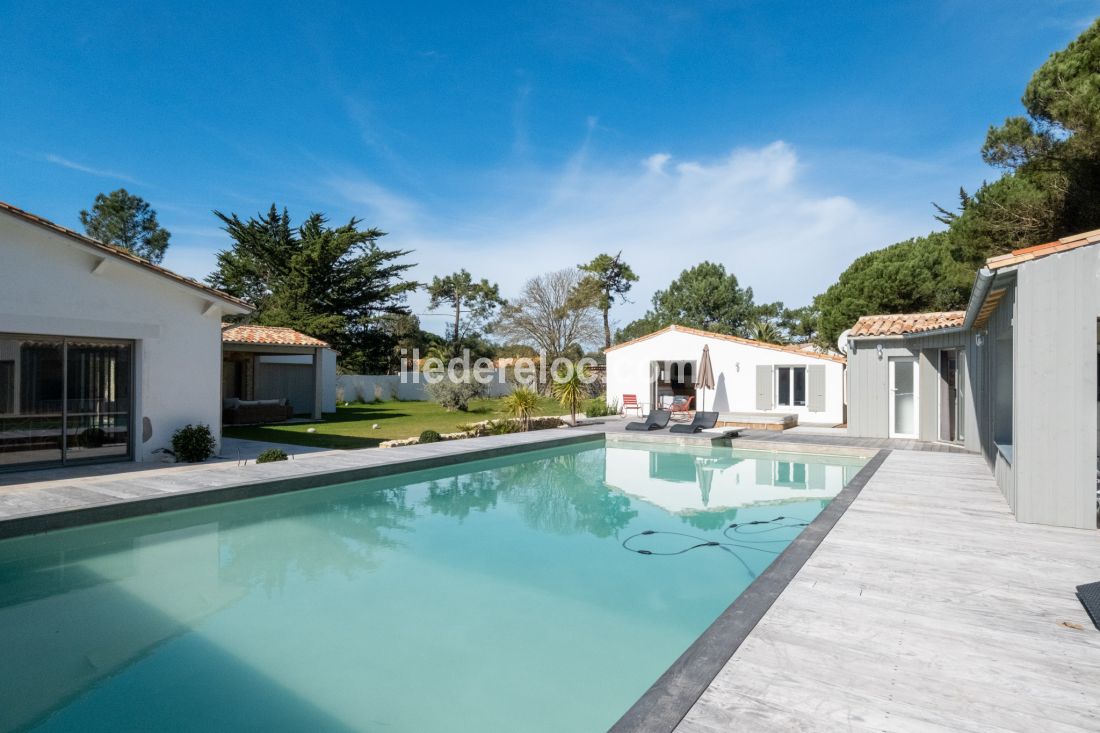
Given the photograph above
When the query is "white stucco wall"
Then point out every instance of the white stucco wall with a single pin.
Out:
(385, 387)
(734, 373)
(47, 287)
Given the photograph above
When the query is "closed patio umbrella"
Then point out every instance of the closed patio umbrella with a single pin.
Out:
(704, 476)
(704, 378)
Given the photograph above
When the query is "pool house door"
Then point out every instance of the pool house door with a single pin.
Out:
(903, 397)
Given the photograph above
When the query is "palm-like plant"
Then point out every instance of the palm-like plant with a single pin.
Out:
(766, 331)
(521, 404)
(570, 390)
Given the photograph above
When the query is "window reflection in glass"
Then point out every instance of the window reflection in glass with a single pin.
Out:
(64, 399)
(31, 400)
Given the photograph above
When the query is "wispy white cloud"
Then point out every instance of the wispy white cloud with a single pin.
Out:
(376, 202)
(751, 210)
(100, 172)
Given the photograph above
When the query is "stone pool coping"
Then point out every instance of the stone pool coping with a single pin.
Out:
(669, 699)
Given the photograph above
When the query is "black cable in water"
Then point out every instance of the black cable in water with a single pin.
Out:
(772, 526)
(699, 543)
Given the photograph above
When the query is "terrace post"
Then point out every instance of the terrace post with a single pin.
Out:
(318, 382)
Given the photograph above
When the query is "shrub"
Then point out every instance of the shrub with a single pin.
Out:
(600, 407)
(193, 443)
(430, 436)
(271, 455)
(455, 395)
(521, 403)
(503, 427)
(570, 390)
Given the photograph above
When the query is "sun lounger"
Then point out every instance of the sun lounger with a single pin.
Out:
(1089, 595)
(656, 420)
(701, 421)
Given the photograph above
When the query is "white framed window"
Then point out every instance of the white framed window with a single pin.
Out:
(790, 386)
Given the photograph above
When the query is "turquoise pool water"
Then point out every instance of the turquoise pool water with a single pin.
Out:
(490, 596)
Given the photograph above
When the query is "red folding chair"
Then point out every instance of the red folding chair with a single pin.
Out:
(630, 402)
(681, 408)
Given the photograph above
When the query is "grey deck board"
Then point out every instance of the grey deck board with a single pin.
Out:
(796, 438)
(927, 608)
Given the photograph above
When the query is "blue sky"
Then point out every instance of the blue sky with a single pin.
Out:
(781, 139)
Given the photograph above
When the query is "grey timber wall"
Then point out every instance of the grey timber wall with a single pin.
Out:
(1055, 389)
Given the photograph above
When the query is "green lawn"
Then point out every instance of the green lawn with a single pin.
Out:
(352, 426)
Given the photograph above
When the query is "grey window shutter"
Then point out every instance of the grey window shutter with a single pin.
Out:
(815, 378)
(763, 387)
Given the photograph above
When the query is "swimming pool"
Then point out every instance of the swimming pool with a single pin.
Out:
(540, 591)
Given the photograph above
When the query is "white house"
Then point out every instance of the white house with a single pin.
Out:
(102, 354)
(752, 378)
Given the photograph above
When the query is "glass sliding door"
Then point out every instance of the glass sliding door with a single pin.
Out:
(64, 400)
(98, 401)
(32, 391)
(903, 397)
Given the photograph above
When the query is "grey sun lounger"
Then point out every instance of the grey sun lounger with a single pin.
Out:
(702, 421)
(1089, 595)
(656, 420)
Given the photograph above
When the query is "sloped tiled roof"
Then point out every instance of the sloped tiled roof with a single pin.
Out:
(267, 335)
(118, 252)
(1026, 254)
(905, 323)
(736, 339)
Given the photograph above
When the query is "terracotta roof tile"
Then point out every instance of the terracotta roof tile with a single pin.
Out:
(1027, 254)
(901, 324)
(119, 253)
(268, 335)
(791, 349)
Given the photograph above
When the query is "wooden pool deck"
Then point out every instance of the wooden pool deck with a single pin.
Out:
(926, 608)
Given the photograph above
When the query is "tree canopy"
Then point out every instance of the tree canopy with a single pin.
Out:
(128, 221)
(922, 271)
(474, 303)
(333, 283)
(1050, 187)
(709, 298)
(608, 278)
(704, 296)
(547, 315)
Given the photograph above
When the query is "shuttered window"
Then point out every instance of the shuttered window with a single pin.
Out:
(790, 386)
